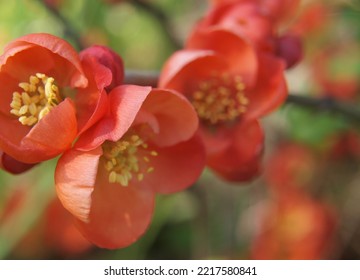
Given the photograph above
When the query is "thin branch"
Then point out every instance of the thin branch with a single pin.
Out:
(162, 19)
(326, 104)
(69, 30)
(150, 78)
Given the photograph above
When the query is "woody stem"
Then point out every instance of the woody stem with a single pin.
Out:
(69, 30)
(150, 78)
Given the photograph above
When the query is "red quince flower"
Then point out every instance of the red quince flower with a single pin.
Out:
(259, 22)
(290, 168)
(296, 227)
(143, 146)
(277, 10)
(336, 70)
(242, 17)
(38, 120)
(230, 85)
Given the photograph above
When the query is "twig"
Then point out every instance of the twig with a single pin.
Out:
(162, 18)
(69, 30)
(150, 78)
(326, 104)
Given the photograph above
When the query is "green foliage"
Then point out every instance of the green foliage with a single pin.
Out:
(313, 127)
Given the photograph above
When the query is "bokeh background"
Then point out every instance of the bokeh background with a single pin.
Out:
(304, 205)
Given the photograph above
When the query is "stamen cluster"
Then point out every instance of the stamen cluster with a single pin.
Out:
(220, 99)
(127, 158)
(37, 98)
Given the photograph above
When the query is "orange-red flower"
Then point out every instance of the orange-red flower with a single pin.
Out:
(144, 145)
(38, 120)
(296, 227)
(290, 168)
(230, 85)
(245, 18)
(337, 72)
(259, 22)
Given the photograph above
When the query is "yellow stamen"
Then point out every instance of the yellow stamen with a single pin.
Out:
(127, 159)
(221, 98)
(38, 97)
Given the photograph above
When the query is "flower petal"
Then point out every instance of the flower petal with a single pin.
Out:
(52, 135)
(118, 215)
(92, 102)
(270, 91)
(239, 54)
(176, 118)
(66, 56)
(176, 167)
(185, 68)
(12, 165)
(125, 102)
(109, 60)
(240, 160)
(75, 178)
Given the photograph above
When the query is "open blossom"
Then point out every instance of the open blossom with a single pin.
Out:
(230, 86)
(144, 145)
(259, 22)
(295, 227)
(38, 119)
(244, 18)
(290, 168)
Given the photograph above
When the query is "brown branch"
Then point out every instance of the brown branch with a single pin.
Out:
(326, 104)
(69, 30)
(150, 78)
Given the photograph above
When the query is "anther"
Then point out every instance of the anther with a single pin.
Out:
(36, 100)
(127, 159)
(221, 98)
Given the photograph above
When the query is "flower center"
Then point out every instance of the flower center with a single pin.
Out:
(127, 158)
(37, 98)
(220, 99)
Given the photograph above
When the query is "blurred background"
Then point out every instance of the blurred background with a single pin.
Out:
(305, 205)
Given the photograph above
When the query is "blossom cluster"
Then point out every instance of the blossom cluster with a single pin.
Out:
(232, 71)
(119, 144)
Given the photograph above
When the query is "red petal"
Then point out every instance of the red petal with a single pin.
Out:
(176, 167)
(75, 178)
(270, 91)
(238, 53)
(176, 118)
(187, 67)
(92, 102)
(110, 60)
(12, 165)
(53, 134)
(125, 102)
(118, 215)
(43, 53)
(110, 215)
(240, 160)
